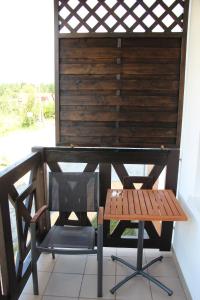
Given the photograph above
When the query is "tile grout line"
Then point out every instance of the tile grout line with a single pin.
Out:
(115, 275)
(82, 277)
(49, 277)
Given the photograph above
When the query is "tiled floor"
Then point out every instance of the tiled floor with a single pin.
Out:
(74, 277)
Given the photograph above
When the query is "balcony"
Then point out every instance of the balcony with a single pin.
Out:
(55, 275)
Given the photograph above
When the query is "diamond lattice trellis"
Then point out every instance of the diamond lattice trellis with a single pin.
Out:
(77, 16)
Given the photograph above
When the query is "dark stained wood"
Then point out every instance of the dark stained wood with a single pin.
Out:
(134, 101)
(120, 170)
(18, 170)
(15, 274)
(120, 20)
(8, 273)
(137, 82)
(98, 83)
(39, 213)
(131, 69)
(171, 183)
(90, 167)
(120, 116)
(119, 68)
(54, 167)
(101, 155)
(121, 131)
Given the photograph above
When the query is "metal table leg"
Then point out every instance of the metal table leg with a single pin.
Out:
(139, 269)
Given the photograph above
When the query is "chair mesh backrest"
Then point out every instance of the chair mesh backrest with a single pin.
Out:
(78, 192)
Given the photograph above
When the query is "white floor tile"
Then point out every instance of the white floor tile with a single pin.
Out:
(108, 265)
(43, 278)
(70, 264)
(156, 252)
(46, 263)
(165, 268)
(172, 283)
(58, 298)
(136, 288)
(64, 285)
(108, 251)
(89, 287)
(30, 297)
(121, 269)
(127, 252)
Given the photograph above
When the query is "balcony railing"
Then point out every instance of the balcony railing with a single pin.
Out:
(15, 262)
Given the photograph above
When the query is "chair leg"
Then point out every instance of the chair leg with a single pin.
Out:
(100, 261)
(34, 260)
(53, 255)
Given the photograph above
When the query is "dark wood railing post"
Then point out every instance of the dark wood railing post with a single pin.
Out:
(8, 272)
(41, 192)
(41, 197)
(171, 183)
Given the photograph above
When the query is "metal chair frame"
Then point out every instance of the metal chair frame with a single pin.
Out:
(37, 249)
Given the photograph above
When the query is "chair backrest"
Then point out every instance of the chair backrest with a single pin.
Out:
(78, 192)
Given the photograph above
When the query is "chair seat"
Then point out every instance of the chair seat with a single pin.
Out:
(70, 237)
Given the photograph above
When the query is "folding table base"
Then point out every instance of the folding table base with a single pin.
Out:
(139, 270)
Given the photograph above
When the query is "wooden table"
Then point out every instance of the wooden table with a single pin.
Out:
(142, 205)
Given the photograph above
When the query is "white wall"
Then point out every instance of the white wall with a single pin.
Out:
(187, 234)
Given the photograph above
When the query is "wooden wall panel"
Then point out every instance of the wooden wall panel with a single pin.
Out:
(119, 91)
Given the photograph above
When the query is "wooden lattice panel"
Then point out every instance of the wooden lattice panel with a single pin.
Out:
(110, 16)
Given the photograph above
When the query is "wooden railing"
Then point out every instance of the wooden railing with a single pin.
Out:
(15, 265)
(15, 269)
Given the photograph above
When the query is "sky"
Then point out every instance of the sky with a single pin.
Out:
(26, 41)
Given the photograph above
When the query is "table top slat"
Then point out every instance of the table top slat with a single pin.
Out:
(165, 203)
(136, 202)
(119, 206)
(144, 205)
(125, 203)
(130, 202)
(154, 204)
(161, 207)
(148, 203)
(113, 206)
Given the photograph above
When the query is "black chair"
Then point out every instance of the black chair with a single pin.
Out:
(70, 192)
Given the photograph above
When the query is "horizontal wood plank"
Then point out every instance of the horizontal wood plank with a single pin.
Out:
(80, 83)
(118, 132)
(133, 52)
(106, 141)
(132, 69)
(162, 117)
(132, 100)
